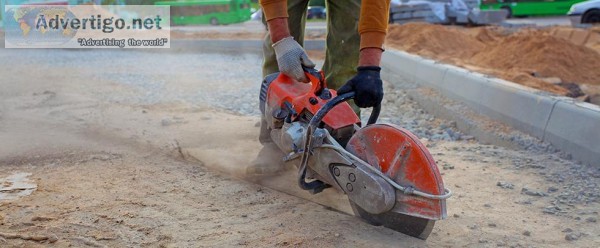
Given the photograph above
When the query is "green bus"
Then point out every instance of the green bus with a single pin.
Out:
(213, 12)
(530, 7)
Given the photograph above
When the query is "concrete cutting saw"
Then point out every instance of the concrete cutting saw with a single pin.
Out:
(389, 176)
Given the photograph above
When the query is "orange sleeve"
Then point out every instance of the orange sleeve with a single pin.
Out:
(274, 8)
(373, 22)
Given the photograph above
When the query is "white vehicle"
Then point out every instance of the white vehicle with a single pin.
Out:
(585, 12)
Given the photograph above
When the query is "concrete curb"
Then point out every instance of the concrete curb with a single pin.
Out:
(570, 126)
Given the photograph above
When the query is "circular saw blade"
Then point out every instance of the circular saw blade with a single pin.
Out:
(402, 157)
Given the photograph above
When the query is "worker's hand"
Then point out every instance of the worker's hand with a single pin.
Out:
(366, 85)
(291, 57)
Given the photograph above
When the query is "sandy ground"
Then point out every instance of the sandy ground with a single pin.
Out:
(150, 148)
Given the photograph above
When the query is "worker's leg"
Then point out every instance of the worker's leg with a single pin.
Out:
(343, 41)
(296, 23)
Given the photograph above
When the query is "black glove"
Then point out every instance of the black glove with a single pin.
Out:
(366, 85)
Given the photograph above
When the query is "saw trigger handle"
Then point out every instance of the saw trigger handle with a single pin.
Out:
(339, 99)
(317, 78)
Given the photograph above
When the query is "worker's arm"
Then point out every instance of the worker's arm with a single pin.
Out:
(372, 27)
(278, 28)
(291, 57)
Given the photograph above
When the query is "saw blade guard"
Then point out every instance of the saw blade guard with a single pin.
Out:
(402, 157)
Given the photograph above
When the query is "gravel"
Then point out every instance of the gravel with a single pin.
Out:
(531, 192)
(505, 185)
(156, 77)
(572, 236)
(399, 109)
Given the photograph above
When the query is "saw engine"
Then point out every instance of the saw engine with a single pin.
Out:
(387, 173)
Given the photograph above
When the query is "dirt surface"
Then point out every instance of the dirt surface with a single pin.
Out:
(546, 58)
(145, 148)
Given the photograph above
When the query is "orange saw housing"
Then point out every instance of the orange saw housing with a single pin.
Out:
(303, 96)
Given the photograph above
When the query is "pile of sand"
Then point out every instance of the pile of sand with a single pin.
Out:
(433, 40)
(546, 55)
(528, 56)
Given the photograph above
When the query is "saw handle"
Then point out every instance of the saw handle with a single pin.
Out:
(316, 120)
(374, 113)
(316, 78)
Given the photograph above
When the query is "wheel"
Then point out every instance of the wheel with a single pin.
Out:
(508, 11)
(409, 225)
(214, 21)
(591, 16)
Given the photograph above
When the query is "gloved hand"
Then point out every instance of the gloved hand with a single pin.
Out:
(291, 57)
(366, 85)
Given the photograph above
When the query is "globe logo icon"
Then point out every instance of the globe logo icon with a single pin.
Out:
(38, 26)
